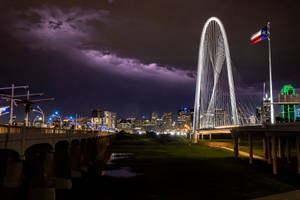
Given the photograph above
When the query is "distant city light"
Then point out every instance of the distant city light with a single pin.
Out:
(185, 109)
(56, 112)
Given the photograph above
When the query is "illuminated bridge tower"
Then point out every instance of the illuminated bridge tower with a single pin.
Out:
(213, 57)
(288, 100)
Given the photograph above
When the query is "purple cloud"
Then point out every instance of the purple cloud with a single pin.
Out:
(57, 28)
(69, 31)
(135, 68)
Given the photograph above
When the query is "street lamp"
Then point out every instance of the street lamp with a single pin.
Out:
(41, 112)
(70, 118)
(37, 118)
(56, 114)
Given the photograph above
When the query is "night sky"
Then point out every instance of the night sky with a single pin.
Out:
(138, 56)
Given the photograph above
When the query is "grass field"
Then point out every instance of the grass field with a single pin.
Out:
(173, 168)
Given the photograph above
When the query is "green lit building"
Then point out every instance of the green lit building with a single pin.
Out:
(288, 100)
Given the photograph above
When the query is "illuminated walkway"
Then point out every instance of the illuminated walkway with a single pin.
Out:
(225, 146)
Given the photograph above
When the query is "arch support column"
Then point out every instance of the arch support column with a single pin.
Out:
(62, 166)
(39, 172)
(11, 168)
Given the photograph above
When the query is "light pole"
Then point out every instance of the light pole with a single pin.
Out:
(12, 99)
(56, 114)
(49, 123)
(41, 112)
(73, 121)
(37, 117)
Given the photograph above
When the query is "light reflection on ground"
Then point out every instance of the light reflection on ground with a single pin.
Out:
(117, 156)
(123, 172)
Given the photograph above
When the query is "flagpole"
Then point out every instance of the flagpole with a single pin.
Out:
(270, 73)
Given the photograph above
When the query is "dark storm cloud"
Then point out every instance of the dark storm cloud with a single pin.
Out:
(70, 30)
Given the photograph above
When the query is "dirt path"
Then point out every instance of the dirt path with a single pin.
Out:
(227, 146)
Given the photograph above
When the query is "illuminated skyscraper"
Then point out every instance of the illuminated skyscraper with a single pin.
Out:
(288, 100)
(167, 120)
(109, 119)
(113, 120)
(266, 112)
(97, 118)
(154, 119)
(184, 117)
(154, 116)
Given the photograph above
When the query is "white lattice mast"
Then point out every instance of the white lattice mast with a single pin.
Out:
(196, 120)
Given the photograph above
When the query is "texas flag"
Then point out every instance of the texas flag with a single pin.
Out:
(260, 35)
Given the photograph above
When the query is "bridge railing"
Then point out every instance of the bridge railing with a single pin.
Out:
(12, 130)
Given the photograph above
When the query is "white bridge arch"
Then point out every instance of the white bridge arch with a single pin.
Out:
(200, 73)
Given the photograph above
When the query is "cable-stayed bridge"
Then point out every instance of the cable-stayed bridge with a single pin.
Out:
(217, 103)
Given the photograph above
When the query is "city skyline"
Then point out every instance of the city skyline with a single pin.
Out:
(82, 53)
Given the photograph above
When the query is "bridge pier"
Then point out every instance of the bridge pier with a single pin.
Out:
(274, 156)
(39, 172)
(269, 150)
(92, 150)
(265, 148)
(288, 149)
(62, 166)
(250, 149)
(84, 156)
(298, 152)
(11, 168)
(75, 159)
(236, 145)
(281, 148)
(195, 138)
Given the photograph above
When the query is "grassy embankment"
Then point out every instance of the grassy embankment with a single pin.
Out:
(173, 168)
